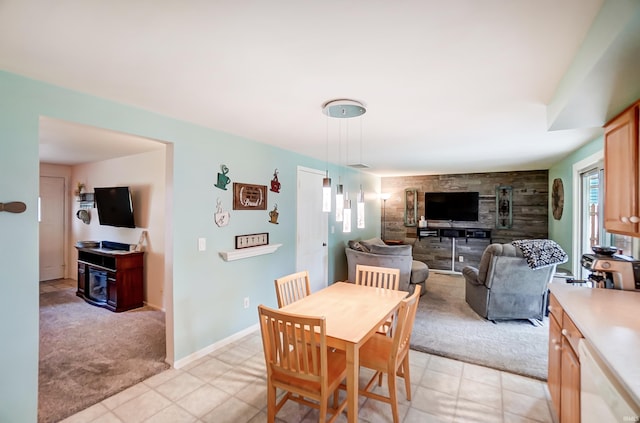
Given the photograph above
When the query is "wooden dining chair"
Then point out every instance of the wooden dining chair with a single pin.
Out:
(378, 277)
(292, 287)
(390, 355)
(299, 362)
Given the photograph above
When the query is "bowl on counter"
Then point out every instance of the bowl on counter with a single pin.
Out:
(604, 250)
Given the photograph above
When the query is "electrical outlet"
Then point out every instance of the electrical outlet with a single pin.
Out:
(460, 259)
(202, 244)
(246, 302)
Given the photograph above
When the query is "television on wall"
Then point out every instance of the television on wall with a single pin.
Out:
(114, 206)
(461, 206)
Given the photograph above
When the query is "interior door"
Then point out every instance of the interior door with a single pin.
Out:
(51, 228)
(312, 223)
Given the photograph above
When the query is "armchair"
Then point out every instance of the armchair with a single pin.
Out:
(505, 287)
(374, 252)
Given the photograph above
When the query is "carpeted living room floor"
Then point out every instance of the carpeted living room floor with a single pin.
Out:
(445, 325)
(88, 353)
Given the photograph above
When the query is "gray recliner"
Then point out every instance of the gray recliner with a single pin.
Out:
(504, 287)
(374, 252)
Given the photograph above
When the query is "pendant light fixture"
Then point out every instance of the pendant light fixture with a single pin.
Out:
(346, 223)
(360, 198)
(326, 181)
(340, 109)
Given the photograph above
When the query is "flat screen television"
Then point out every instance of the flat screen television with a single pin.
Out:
(114, 206)
(461, 206)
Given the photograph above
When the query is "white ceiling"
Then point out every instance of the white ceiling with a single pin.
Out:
(450, 86)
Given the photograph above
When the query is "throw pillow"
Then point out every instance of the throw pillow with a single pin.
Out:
(356, 245)
(391, 250)
(373, 241)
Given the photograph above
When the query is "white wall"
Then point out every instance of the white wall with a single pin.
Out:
(144, 174)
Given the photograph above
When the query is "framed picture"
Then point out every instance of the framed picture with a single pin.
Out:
(410, 207)
(252, 240)
(504, 218)
(249, 197)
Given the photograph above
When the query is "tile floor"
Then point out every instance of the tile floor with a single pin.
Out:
(229, 385)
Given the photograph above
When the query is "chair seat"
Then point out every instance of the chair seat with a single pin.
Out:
(374, 354)
(336, 371)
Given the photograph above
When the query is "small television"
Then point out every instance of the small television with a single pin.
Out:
(114, 206)
(461, 206)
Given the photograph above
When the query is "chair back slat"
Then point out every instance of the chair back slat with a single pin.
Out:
(295, 346)
(377, 277)
(292, 287)
(403, 322)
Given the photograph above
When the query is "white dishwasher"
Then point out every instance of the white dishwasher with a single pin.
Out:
(602, 399)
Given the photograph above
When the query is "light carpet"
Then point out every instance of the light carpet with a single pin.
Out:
(445, 325)
(88, 353)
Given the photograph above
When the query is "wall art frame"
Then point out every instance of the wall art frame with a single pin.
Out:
(410, 207)
(504, 207)
(249, 196)
(252, 240)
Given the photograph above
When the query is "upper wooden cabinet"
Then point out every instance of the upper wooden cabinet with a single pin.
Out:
(621, 204)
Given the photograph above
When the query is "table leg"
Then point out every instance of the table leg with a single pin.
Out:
(353, 368)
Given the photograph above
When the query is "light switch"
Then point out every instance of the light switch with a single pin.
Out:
(202, 244)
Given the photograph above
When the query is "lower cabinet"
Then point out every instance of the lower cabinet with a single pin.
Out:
(563, 377)
(554, 375)
(570, 386)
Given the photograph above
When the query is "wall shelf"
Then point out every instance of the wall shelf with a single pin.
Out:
(243, 253)
(86, 200)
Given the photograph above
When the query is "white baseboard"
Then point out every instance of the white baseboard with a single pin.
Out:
(213, 347)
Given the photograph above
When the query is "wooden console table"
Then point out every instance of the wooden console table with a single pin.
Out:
(111, 279)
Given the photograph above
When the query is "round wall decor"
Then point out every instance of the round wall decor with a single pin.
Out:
(557, 198)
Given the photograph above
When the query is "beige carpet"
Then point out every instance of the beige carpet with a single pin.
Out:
(88, 353)
(446, 326)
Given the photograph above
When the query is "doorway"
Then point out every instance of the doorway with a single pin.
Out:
(83, 153)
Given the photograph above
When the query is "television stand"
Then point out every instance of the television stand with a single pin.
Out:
(443, 247)
(111, 278)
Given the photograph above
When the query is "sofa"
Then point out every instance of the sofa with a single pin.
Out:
(374, 252)
(505, 287)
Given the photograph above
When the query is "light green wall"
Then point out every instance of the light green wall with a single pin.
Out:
(561, 230)
(207, 292)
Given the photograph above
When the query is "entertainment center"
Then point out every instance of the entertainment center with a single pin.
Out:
(445, 247)
(111, 276)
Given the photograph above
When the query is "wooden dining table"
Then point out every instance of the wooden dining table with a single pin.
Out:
(353, 313)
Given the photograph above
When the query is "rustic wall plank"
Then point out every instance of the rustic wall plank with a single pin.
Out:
(530, 208)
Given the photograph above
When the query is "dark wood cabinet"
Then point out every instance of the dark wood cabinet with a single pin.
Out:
(110, 278)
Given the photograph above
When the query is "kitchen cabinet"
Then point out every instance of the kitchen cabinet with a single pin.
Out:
(563, 377)
(621, 166)
(555, 355)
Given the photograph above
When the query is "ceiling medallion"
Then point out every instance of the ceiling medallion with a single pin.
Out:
(343, 108)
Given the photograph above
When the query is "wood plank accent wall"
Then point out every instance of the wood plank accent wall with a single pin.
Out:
(530, 208)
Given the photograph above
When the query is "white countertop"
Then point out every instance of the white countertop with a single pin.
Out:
(607, 319)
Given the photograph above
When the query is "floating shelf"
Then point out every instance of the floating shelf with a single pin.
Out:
(248, 252)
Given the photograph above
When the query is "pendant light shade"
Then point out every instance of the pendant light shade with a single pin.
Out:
(326, 193)
(339, 203)
(346, 223)
(360, 209)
